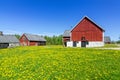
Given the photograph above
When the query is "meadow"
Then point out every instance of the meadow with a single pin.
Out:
(59, 63)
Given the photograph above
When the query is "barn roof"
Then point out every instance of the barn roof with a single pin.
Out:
(32, 37)
(66, 33)
(107, 39)
(8, 39)
(91, 22)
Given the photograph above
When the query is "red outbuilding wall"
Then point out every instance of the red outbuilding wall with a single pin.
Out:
(24, 41)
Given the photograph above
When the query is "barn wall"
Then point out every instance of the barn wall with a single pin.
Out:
(24, 41)
(14, 44)
(42, 43)
(7, 45)
(79, 44)
(88, 30)
(91, 44)
(95, 44)
(70, 44)
(33, 43)
(37, 43)
(4, 45)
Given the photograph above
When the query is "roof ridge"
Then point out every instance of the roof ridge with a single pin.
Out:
(34, 37)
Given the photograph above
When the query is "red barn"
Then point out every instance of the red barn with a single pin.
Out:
(85, 34)
(32, 40)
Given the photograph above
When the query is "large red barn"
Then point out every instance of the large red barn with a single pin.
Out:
(85, 34)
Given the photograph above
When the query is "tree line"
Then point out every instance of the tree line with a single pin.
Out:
(51, 40)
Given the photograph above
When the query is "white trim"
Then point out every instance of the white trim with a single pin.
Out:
(70, 44)
(95, 44)
(14, 44)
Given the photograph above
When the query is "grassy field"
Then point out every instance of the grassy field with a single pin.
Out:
(58, 63)
(111, 46)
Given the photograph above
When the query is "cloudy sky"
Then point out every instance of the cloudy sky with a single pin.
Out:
(52, 17)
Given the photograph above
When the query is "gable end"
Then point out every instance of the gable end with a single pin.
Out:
(86, 18)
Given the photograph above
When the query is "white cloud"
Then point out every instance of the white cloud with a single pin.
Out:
(18, 32)
(11, 32)
(50, 34)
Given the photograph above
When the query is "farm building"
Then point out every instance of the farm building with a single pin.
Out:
(107, 40)
(32, 40)
(66, 37)
(8, 41)
(85, 34)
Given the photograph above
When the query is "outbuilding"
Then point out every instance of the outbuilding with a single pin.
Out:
(85, 34)
(32, 40)
(66, 37)
(8, 41)
(107, 40)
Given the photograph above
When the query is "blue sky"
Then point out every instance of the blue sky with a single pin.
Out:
(52, 17)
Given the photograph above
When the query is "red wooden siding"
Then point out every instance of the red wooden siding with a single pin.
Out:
(33, 43)
(24, 41)
(87, 29)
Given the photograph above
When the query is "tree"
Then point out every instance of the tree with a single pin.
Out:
(18, 36)
(54, 40)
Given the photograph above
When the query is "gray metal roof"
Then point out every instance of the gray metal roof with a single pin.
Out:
(107, 39)
(66, 33)
(8, 39)
(32, 37)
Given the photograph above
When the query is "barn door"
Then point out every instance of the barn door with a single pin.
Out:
(74, 44)
(83, 42)
(4, 45)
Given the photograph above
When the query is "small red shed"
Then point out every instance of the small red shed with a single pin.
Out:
(86, 34)
(32, 40)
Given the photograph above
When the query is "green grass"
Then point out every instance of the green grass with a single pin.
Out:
(59, 63)
(111, 46)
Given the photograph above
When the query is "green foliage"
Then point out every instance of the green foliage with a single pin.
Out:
(118, 41)
(58, 63)
(54, 40)
(18, 36)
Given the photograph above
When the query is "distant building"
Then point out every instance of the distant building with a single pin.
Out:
(8, 41)
(66, 37)
(32, 40)
(85, 34)
(107, 40)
